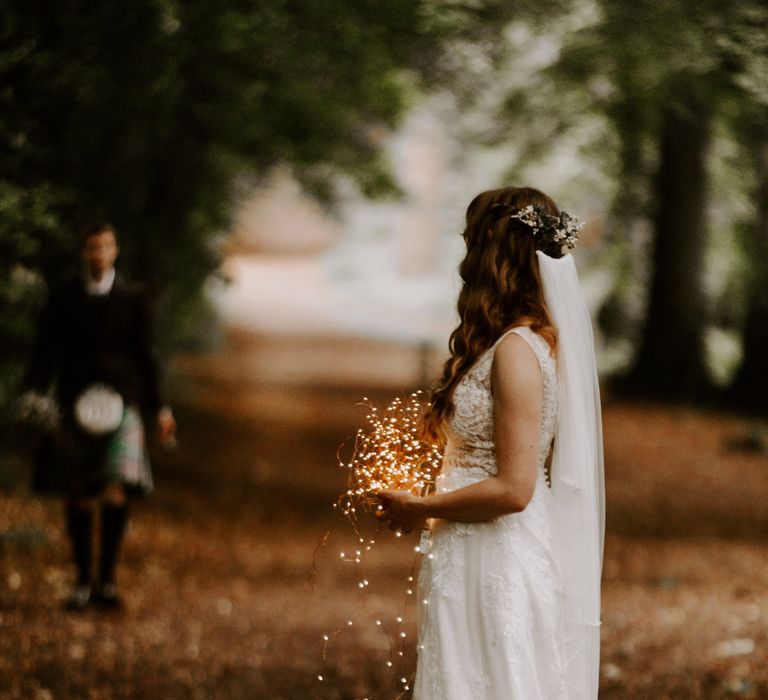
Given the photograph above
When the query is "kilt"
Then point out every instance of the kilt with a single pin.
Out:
(72, 462)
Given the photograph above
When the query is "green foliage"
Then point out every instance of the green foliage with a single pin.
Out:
(611, 77)
(143, 112)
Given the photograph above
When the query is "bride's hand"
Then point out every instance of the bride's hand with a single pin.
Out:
(402, 510)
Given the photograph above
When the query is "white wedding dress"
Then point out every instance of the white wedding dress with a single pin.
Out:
(491, 624)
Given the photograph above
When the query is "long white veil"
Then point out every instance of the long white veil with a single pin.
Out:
(578, 492)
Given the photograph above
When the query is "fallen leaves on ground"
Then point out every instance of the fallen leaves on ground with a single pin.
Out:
(224, 603)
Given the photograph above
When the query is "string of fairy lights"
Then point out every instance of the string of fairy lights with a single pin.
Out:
(388, 453)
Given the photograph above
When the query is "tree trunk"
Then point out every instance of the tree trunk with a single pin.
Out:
(750, 387)
(670, 363)
(618, 315)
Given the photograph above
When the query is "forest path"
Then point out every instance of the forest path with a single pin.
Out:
(222, 600)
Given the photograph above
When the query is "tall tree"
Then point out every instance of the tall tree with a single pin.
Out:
(749, 389)
(671, 359)
(670, 67)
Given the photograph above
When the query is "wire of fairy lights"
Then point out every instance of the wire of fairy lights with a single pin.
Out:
(388, 453)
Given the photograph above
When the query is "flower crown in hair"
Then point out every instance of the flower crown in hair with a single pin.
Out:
(563, 229)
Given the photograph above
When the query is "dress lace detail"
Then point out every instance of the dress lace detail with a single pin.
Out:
(490, 618)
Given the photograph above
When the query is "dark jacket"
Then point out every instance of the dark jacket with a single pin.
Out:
(85, 339)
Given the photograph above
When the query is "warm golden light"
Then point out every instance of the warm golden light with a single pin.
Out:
(391, 454)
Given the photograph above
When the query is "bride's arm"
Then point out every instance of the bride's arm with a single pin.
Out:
(516, 386)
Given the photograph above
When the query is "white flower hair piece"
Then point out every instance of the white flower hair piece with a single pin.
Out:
(562, 230)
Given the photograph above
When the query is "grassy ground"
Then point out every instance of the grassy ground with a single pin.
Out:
(230, 585)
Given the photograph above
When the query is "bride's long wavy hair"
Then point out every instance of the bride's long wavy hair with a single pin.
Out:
(501, 288)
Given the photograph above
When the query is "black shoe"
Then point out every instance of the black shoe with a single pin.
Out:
(108, 597)
(79, 599)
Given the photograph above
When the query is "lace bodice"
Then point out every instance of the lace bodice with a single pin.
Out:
(470, 443)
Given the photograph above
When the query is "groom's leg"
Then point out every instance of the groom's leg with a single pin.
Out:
(79, 517)
(114, 518)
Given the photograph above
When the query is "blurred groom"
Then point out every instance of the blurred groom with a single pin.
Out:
(94, 345)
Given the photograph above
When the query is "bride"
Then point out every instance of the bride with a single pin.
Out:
(510, 589)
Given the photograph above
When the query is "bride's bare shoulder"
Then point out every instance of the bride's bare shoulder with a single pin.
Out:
(515, 364)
